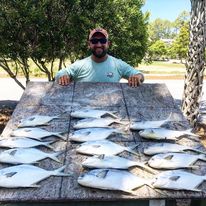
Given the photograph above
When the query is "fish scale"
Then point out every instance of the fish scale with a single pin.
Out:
(92, 134)
(175, 160)
(23, 142)
(158, 148)
(95, 122)
(149, 124)
(36, 120)
(92, 113)
(26, 175)
(166, 134)
(103, 147)
(26, 156)
(35, 133)
(114, 162)
(110, 179)
(178, 180)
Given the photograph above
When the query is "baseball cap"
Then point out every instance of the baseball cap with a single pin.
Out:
(98, 30)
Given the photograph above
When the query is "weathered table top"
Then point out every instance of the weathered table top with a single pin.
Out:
(147, 102)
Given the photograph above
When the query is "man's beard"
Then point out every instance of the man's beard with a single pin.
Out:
(99, 55)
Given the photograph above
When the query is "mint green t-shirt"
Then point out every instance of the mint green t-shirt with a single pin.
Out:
(87, 70)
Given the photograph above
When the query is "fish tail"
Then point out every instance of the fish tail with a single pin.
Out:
(61, 136)
(54, 156)
(148, 169)
(131, 149)
(198, 151)
(111, 115)
(58, 172)
(47, 144)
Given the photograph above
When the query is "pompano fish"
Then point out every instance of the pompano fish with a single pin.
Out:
(167, 134)
(175, 160)
(168, 147)
(149, 124)
(26, 156)
(35, 133)
(92, 134)
(178, 180)
(95, 122)
(26, 175)
(92, 113)
(36, 120)
(110, 179)
(22, 142)
(103, 147)
(113, 162)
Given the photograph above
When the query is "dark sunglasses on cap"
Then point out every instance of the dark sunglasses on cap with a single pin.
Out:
(101, 40)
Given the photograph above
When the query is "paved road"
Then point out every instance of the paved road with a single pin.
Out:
(9, 90)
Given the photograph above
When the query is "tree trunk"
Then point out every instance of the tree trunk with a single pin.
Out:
(195, 64)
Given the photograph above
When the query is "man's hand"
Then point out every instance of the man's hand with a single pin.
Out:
(135, 80)
(64, 80)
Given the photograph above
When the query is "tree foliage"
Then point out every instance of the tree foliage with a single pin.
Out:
(54, 30)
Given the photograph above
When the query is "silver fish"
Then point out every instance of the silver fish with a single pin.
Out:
(92, 113)
(26, 156)
(92, 134)
(103, 147)
(149, 124)
(26, 176)
(113, 162)
(167, 134)
(178, 180)
(95, 122)
(175, 160)
(35, 133)
(110, 179)
(168, 147)
(22, 142)
(37, 120)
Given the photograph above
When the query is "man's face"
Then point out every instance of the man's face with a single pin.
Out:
(98, 45)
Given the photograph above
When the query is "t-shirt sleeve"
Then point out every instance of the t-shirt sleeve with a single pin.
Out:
(70, 71)
(126, 70)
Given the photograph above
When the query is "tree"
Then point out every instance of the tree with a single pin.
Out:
(160, 29)
(181, 42)
(54, 30)
(157, 50)
(195, 64)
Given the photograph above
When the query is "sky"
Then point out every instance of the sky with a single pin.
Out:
(166, 9)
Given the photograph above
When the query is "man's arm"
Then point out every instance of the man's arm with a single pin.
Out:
(64, 80)
(136, 80)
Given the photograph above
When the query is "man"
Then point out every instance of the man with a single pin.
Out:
(99, 67)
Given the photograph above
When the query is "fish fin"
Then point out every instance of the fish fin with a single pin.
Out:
(174, 178)
(110, 115)
(103, 173)
(53, 157)
(58, 172)
(60, 136)
(96, 146)
(131, 148)
(196, 150)
(13, 152)
(101, 157)
(168, 157)
(35, 186)
(10, 174)
(146, 168)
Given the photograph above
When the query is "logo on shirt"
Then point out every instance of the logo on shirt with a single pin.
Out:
(110, 74)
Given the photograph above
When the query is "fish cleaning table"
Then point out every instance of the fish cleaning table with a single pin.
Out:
(147, 102)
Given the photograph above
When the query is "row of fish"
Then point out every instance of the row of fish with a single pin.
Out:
(111, 179)
(96, 128)
(105, 152)
(23, 141)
